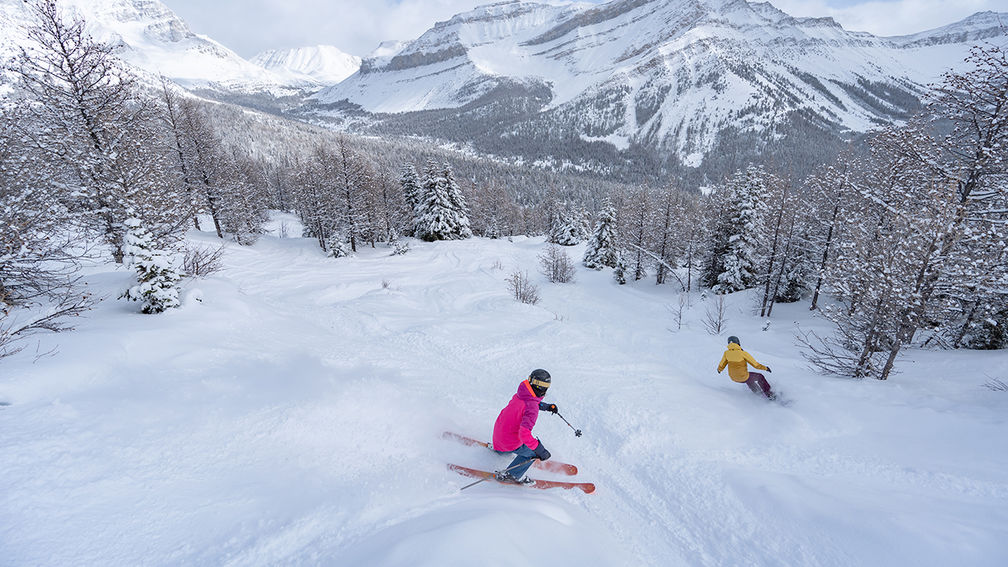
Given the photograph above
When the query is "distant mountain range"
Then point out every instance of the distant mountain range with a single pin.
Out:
(631, 88)
(153, 39)
(662, 83)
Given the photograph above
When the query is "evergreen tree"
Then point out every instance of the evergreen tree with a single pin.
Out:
(565, 229)
(458, 202)
(795, 270)
(413, 193)
(441, 213)
(739, 231)
(157, 278)
(602, 250)
(620, 270)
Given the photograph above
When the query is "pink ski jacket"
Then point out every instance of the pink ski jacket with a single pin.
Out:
(513, 427)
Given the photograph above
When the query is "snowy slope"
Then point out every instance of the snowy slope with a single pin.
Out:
(152, 38)
(290, 413)
(321, 64)
(669, 74)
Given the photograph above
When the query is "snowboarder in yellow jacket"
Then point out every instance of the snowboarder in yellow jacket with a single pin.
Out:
(737, 360)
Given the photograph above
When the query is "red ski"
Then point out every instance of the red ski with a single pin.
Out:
(550, 465)
(587, 487)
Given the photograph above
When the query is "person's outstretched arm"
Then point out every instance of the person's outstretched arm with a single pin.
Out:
(748, 357)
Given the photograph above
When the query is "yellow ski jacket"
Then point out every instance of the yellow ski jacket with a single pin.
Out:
(735, 359)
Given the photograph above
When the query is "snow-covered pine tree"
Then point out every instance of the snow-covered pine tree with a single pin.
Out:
(435, 219)
(457, 200)
(620, 270)
(157, 278)
(338, 245)
(602, 250)
(739, 231)
(565, 229)
(412, 193)
(583, 222)
(714, 209)
(439, 217)
(793, 277)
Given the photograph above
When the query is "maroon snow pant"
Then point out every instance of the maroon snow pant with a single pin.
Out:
(758, 384)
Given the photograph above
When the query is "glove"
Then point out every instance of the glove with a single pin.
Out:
(552, 408)
(768, 369)
(541, 452)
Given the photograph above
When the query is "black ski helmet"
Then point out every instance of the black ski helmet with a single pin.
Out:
(539, 379)
(734, 339)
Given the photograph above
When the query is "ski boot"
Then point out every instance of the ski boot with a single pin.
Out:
(508, 478)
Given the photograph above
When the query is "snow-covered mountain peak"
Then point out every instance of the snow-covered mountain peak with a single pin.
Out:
(389, 48)
(324, 64)
(978, 27)
(669, 75)
(152, 38)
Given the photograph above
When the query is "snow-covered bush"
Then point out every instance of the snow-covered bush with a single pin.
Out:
(400, 247)
(157, 278)
(620, 270)
(201, 261)
(522, 288)
(337, 246)
(556, 265)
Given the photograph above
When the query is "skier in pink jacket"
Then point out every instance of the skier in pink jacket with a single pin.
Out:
(513, 428)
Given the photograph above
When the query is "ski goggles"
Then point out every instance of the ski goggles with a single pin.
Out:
(539, 383)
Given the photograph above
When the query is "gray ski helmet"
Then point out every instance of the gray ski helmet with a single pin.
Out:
(734, 339)
(539, 379)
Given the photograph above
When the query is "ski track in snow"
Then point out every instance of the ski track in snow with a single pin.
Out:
(293, 417)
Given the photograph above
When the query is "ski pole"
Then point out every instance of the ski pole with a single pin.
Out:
(577, 432)
(488, 478)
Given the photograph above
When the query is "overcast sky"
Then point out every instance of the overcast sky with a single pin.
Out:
(358, 26)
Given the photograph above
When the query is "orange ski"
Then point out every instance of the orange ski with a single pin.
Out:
(587, 487)
(550, 465)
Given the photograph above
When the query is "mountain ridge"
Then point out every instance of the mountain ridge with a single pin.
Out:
(691, 71)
